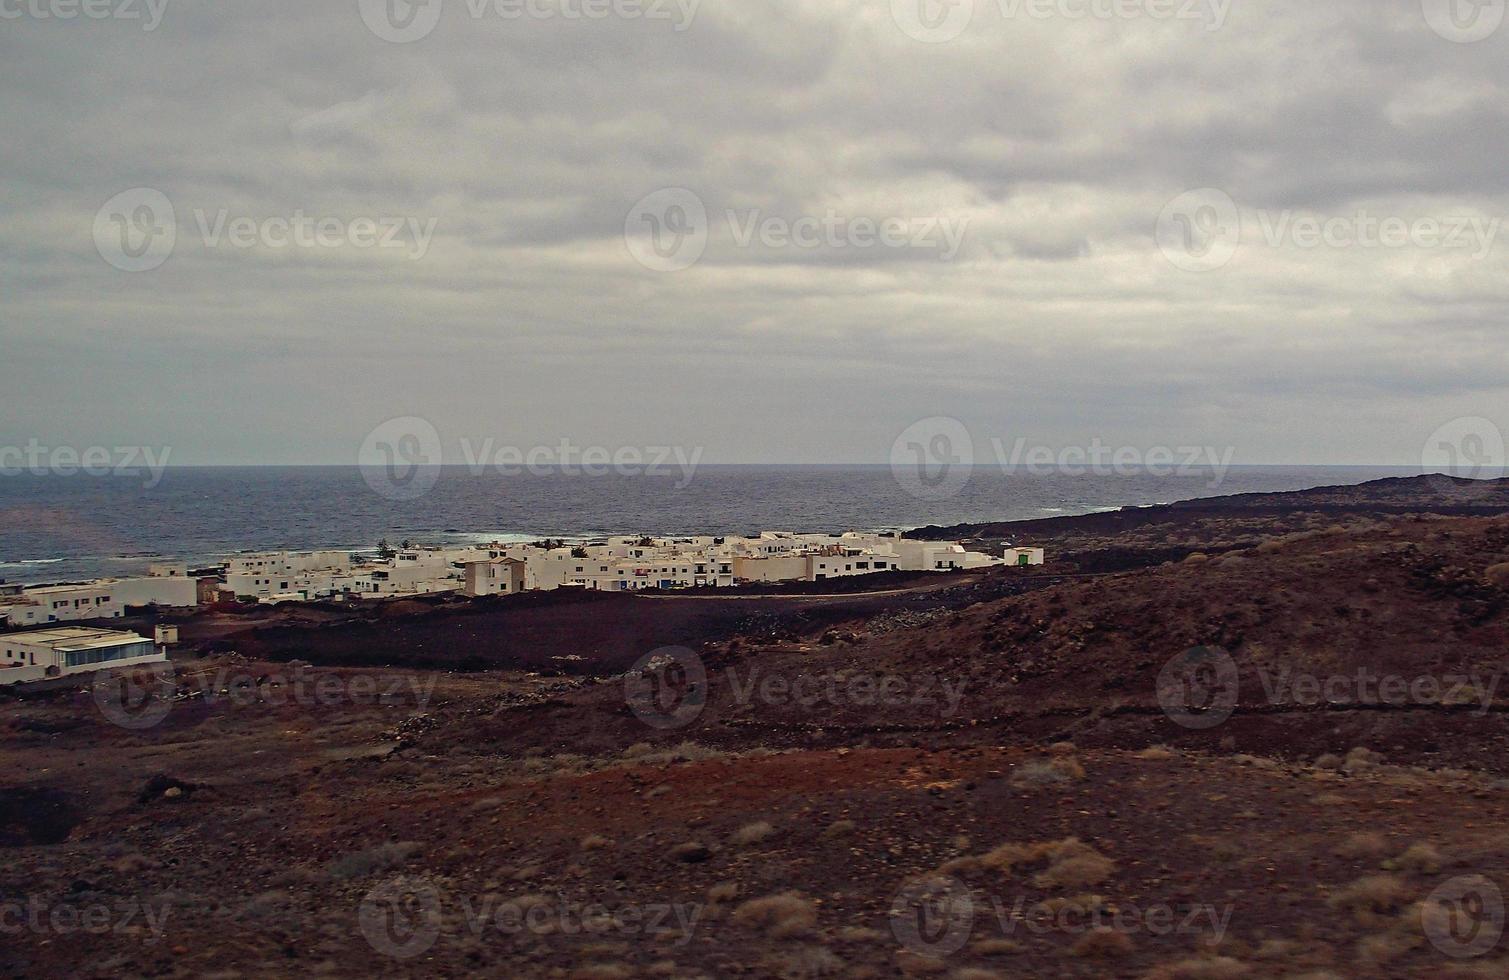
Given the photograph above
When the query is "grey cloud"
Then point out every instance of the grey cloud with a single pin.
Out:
(529, 142)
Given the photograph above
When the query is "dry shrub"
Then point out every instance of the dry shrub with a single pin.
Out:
(1498, 574)
(1047, 772)
(1211, 968)
(1079, 903)
(1157, 753)
(724, 891)
(1381, 894)
(1329, 761)
(860, 934)
(1363, 845)
(1383, 949)
(801, 963)
(1071, 862)
(1062, 748)
(780, 916)
(1422, 858)
(998, 947)
(359, 864)
(839, 828)
(602, 971)
(1361, 760)
(976, 973)
(1077, 872)
(919, 966)
(754, 833)
(958, 865)
(595, 842)
(1276, 949)
(1482, 970)
(1100, 942)
(690, 852)
(685, 752)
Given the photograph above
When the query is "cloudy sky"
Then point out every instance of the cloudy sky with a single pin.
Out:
(778, 230)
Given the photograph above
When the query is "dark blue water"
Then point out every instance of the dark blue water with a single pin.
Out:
(58, 528)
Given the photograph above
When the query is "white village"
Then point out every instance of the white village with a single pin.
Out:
(624, 563)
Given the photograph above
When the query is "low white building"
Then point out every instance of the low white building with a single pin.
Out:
(634, 574)
(496, 576)
(1025, 556)
(42, 654)
(622, 563)
(298, 574)
(102, 599)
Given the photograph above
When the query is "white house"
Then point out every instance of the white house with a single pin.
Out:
(71, 650)
(1025, 556)
(496, 576)
(102, 599)
(300, 574)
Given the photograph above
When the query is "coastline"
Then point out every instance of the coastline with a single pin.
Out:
(326, 508)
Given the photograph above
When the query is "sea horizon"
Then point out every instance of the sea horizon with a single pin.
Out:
(67, 528)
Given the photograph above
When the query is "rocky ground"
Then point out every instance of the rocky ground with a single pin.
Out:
(1257, 738)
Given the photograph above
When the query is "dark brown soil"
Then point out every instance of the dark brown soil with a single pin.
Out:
(269, 830)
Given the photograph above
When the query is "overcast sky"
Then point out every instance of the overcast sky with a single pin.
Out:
(998, 195)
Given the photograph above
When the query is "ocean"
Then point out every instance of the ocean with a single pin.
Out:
(56, 528)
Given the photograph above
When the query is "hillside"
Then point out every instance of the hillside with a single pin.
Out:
(1021, 774)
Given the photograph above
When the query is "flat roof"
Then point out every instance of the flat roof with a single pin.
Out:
(74, 638)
